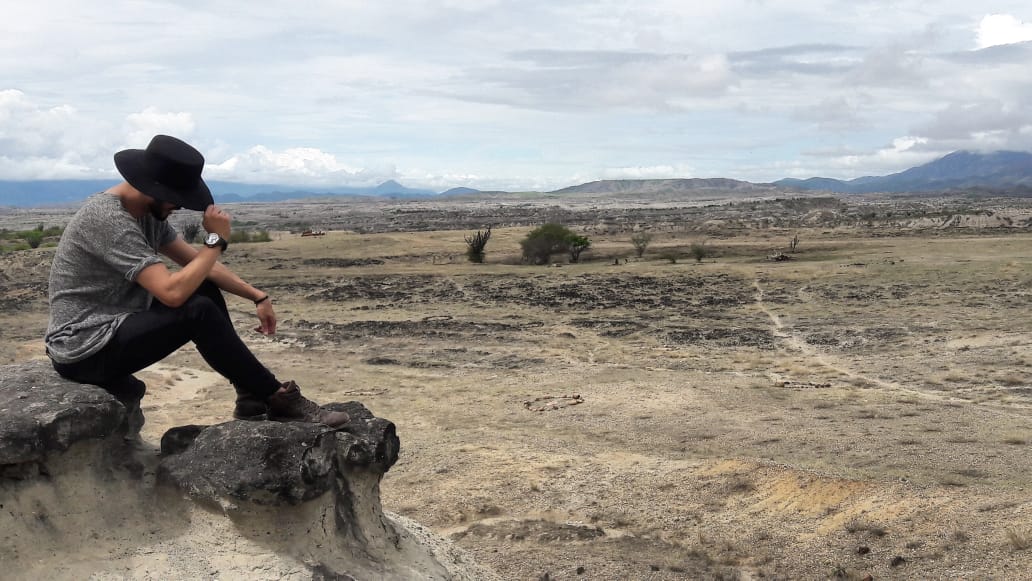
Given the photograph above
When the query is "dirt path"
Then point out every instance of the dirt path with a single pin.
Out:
(821, 358)
(816, 356)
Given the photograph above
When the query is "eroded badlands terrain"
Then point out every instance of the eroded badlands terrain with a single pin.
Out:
(864, 408)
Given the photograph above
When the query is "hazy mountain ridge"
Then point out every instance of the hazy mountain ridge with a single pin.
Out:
(36, 193)
(229, 192)
(960, 169)
(27, 194)
(999, 170)
(666, 186)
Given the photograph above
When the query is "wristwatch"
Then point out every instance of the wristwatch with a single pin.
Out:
(214, 240)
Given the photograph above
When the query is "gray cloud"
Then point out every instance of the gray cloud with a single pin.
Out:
(988, 124)
(554, 80)
(506, 92)
(804, 59)
(1018, 53)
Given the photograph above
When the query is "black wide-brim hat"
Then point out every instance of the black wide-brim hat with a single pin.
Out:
(168, 170)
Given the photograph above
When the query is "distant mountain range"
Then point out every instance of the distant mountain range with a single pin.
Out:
(228, 192)
(668, 186)
(958, 170)
(61, 192)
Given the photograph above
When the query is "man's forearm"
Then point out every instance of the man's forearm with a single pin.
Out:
(228, 281)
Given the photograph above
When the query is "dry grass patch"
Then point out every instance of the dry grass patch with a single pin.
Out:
(1012, 379)
(864, 526)
(1018, 540)
(1016, 439)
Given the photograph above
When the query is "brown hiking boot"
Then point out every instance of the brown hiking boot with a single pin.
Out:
(249, 407)
(290, 406)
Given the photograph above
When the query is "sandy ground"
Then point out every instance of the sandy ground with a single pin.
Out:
(864, 409)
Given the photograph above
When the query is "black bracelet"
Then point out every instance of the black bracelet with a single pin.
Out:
(261, 300)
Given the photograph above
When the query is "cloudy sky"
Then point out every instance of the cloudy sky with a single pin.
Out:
(513, 94)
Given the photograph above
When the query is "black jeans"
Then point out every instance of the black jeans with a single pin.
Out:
(149, 336)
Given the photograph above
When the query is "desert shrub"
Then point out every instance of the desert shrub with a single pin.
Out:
(671, 255)
(33, 238)
(475, 245)
(190, 232)
(1018, 540)
(641, 241)
(545, 241)
(698, 251)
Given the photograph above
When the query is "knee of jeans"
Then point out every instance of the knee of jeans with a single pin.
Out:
(199, 307)
(207, 288)
(211, 291)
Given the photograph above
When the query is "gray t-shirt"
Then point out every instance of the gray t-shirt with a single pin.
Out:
(93, 278)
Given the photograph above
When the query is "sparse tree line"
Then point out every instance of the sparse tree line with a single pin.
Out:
(540, 246)
(546, 242)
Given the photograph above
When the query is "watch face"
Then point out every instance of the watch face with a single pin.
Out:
(212, 239)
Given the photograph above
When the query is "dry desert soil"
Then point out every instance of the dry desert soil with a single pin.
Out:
(863, 409)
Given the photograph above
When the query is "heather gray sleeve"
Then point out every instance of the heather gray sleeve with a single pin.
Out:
(92, 278)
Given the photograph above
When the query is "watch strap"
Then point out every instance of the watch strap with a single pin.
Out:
(221, 243)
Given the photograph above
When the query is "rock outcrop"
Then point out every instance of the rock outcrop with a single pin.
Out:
(80, 495)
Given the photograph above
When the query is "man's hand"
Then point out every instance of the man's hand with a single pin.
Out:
(216, 221)
(266, 318)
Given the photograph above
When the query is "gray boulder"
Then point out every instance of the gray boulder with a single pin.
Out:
(42, 415)
(256, 500)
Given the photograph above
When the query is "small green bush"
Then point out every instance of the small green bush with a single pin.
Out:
(550, 239)
(34, 238)
(698, 251)
(544, 242)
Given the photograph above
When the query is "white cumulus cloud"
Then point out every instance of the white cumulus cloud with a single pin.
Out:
(141, 127)
(903, 152)
(997, 29)
(50, 141)
(298, 165)
(27, 129)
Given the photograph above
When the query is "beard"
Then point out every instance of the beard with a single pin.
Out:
(157, 209)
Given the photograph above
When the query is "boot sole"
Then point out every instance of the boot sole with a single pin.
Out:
(253, 418)
(273, 418)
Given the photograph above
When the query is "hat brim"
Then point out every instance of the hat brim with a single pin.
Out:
(132, 165)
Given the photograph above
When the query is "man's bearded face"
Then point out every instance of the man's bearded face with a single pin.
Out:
(162, 210)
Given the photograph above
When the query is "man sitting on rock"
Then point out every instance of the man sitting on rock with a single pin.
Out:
(115, 308)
